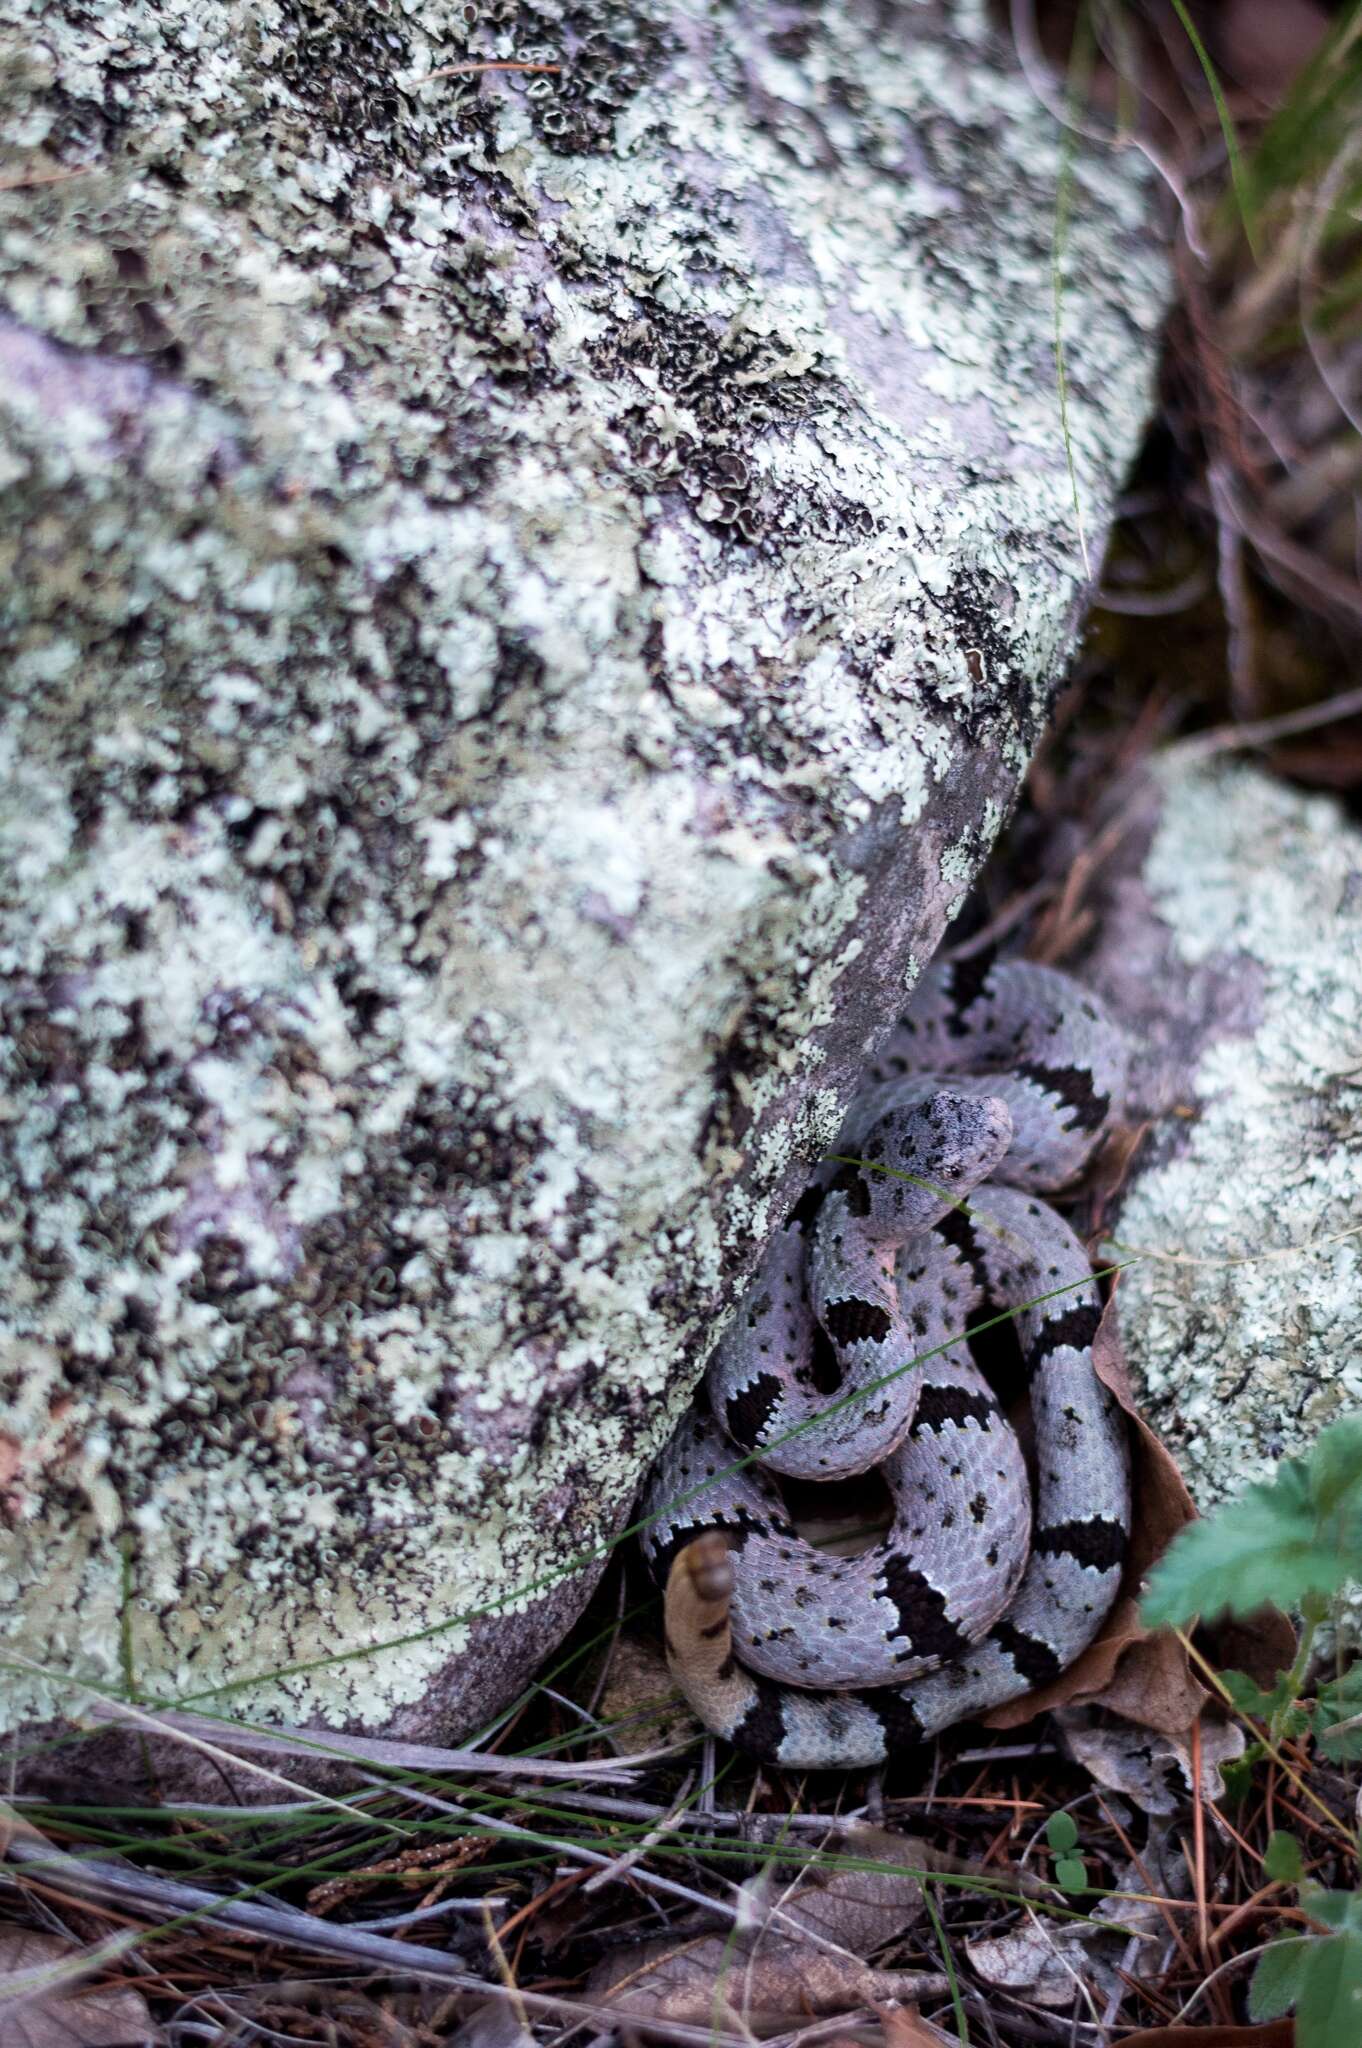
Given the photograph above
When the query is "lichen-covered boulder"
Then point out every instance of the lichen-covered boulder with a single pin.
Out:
(1233, 946)
(526, 597)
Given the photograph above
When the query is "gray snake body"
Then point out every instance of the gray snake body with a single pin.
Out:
(997, 1084)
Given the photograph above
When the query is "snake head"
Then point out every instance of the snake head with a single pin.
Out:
(933, 1153)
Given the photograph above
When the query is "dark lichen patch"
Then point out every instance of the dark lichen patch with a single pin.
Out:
(733, 385)
(342, 59)
(603, 64)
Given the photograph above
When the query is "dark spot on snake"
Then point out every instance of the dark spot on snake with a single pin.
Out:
(897, 1716)
(967, 985)
(747, 1414)
(922, 1610)
(852, 1183)
(714, 1629)
(958, 1232)
(825, 1368)
(855, 1322)
(805, 1209)
(1100, 1544)
(760, 1307)
(939, 1405)
(1035, 1660)
(1075, 1327)
(978, 1508)
(762, 1728)
(1074, 1087)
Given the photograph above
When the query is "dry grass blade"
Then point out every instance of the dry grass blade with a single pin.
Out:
(173, 1726)
(325, 1743)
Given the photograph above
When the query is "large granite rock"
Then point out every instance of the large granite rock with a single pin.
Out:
(1233, 946)
(526, 598)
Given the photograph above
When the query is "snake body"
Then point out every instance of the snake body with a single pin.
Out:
(996, 1085)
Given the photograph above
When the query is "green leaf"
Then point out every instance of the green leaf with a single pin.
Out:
(1329, 2001)
(1238, 1778)
(1331, 1909)
(1276, 1982)
(1061, 1832)
(1336, 1468)
(1299, 1534)
(1071, 1875)
(1282, 1859)
(1340, 1701)
(1251, 1699)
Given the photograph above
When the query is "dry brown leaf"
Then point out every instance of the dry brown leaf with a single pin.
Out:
(1280, 2034)
(770, 1975)
(769, 1986)
(43, 2005)
(1152, 1770)
(1044, 1967)
(1144, 1676)
(641, 1702)
(902, 2026)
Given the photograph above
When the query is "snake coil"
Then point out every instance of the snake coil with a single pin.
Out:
(846, 1354)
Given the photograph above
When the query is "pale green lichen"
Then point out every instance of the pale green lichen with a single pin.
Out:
(490, 577)
(1242, 1325)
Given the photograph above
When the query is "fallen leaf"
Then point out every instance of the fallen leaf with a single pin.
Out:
(902, 2026)
(769, 1975)
(494, 2025)
(641, 1701)
(1045, 1965)
(43, 2005)
(1143, 1675)
(1139, 1762)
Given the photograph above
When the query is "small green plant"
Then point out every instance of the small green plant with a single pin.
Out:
(1071, 1872)
(1295, 1541)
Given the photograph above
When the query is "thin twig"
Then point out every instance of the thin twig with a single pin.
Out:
(665, 1826)
(1263, 732)
(1235, 597)
(93, 1878)
(577, 1852)
(1154, 604)
(23, 181)
(489, 64)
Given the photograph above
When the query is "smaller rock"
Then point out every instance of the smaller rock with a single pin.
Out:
(1232, 946)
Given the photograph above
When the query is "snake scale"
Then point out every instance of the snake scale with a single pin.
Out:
(996, 1085)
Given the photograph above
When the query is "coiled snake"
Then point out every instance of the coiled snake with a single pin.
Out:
(998, 1082)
